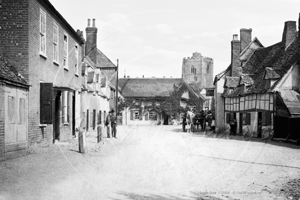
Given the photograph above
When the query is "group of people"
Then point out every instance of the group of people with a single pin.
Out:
(205, 120)
(111, 124)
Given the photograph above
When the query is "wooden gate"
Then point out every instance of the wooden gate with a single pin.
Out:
(16, 120)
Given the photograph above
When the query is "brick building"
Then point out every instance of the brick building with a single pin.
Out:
(13, 111)
(47, 51)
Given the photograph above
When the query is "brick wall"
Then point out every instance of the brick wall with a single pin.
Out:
(14, 33)
(2, 121)
(43, 69)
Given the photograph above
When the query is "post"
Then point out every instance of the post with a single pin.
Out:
(99, 133)
(81, 136)
(117, 89)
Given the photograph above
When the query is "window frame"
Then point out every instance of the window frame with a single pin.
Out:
(66, 51)
(76, 59)
(42, 35)
(55, 43)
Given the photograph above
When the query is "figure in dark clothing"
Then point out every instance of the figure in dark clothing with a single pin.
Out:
(202, 120)
(184, 122)
(233, 127)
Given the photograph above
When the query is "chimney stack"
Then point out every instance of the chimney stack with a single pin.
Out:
(235, 56)
(91, 41)
(246, 37)
(289, 33)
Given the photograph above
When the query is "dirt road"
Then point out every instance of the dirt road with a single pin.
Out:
(153, 162)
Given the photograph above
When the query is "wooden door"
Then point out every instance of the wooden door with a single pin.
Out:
(16, 119)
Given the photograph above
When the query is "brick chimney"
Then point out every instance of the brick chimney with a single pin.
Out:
(289, 33)
(91, 41)
(246, 37)
(235, 55)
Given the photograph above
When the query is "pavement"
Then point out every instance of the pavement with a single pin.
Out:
(155, 163)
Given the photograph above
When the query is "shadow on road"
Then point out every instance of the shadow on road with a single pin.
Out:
(134, 196)
(210, 134)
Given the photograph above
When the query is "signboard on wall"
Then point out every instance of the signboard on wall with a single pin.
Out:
(210, 92)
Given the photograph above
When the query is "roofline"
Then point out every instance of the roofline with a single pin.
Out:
(60, 18)
(14, 83)
(221, 74)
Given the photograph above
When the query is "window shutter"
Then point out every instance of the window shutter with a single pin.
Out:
(46, 95)
(68, 106)
(131, 114)
(248, 118)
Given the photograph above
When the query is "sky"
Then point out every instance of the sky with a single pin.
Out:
(151, 37)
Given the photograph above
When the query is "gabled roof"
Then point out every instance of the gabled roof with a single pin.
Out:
(292, 100)
(148, 87)
(231, 82)
(103, 61)
(246, 80)
(271, 73)
(276, 63)
(9, 73)
(222, 74)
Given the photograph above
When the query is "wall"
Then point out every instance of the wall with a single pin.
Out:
(14, 33)
(2, 120)
(43, 69)
(204, 70)
(219, 104)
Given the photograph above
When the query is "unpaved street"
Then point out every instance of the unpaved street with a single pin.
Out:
(153, 162)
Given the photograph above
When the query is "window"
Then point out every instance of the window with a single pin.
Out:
(246, 118)
(65, 52)
(195, 78)
(76, 59)
(55, 43)
(42, 33)
(65, 107)
(136, 115)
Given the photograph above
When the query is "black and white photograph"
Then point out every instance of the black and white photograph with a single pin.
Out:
(149, 100)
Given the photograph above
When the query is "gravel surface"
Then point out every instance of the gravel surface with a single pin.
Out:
(155, 163)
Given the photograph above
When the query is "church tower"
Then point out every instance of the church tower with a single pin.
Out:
(198, 71)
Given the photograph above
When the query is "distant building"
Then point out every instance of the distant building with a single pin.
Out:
(146, 96)
(198, 71)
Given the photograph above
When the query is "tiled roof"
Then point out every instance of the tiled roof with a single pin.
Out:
(270, 63)
(9, 73)
(271, 73)
(246, 80)
(103, 60)
(231, 82)
(292, 101)
(148, 87)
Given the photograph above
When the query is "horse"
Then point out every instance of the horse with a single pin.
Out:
(190, 119)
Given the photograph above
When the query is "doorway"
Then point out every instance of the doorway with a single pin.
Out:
(259, 124)
(56, 124)
(73, 115)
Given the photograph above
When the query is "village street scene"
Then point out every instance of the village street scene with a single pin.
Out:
(118, 102)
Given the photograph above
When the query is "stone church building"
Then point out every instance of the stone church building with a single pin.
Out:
(198, 71)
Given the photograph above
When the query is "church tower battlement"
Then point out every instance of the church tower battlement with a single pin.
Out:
(198, 70)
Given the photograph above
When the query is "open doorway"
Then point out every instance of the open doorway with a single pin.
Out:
(56, 121)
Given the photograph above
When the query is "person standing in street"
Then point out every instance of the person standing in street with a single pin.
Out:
(107, 124)
(113, 123)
